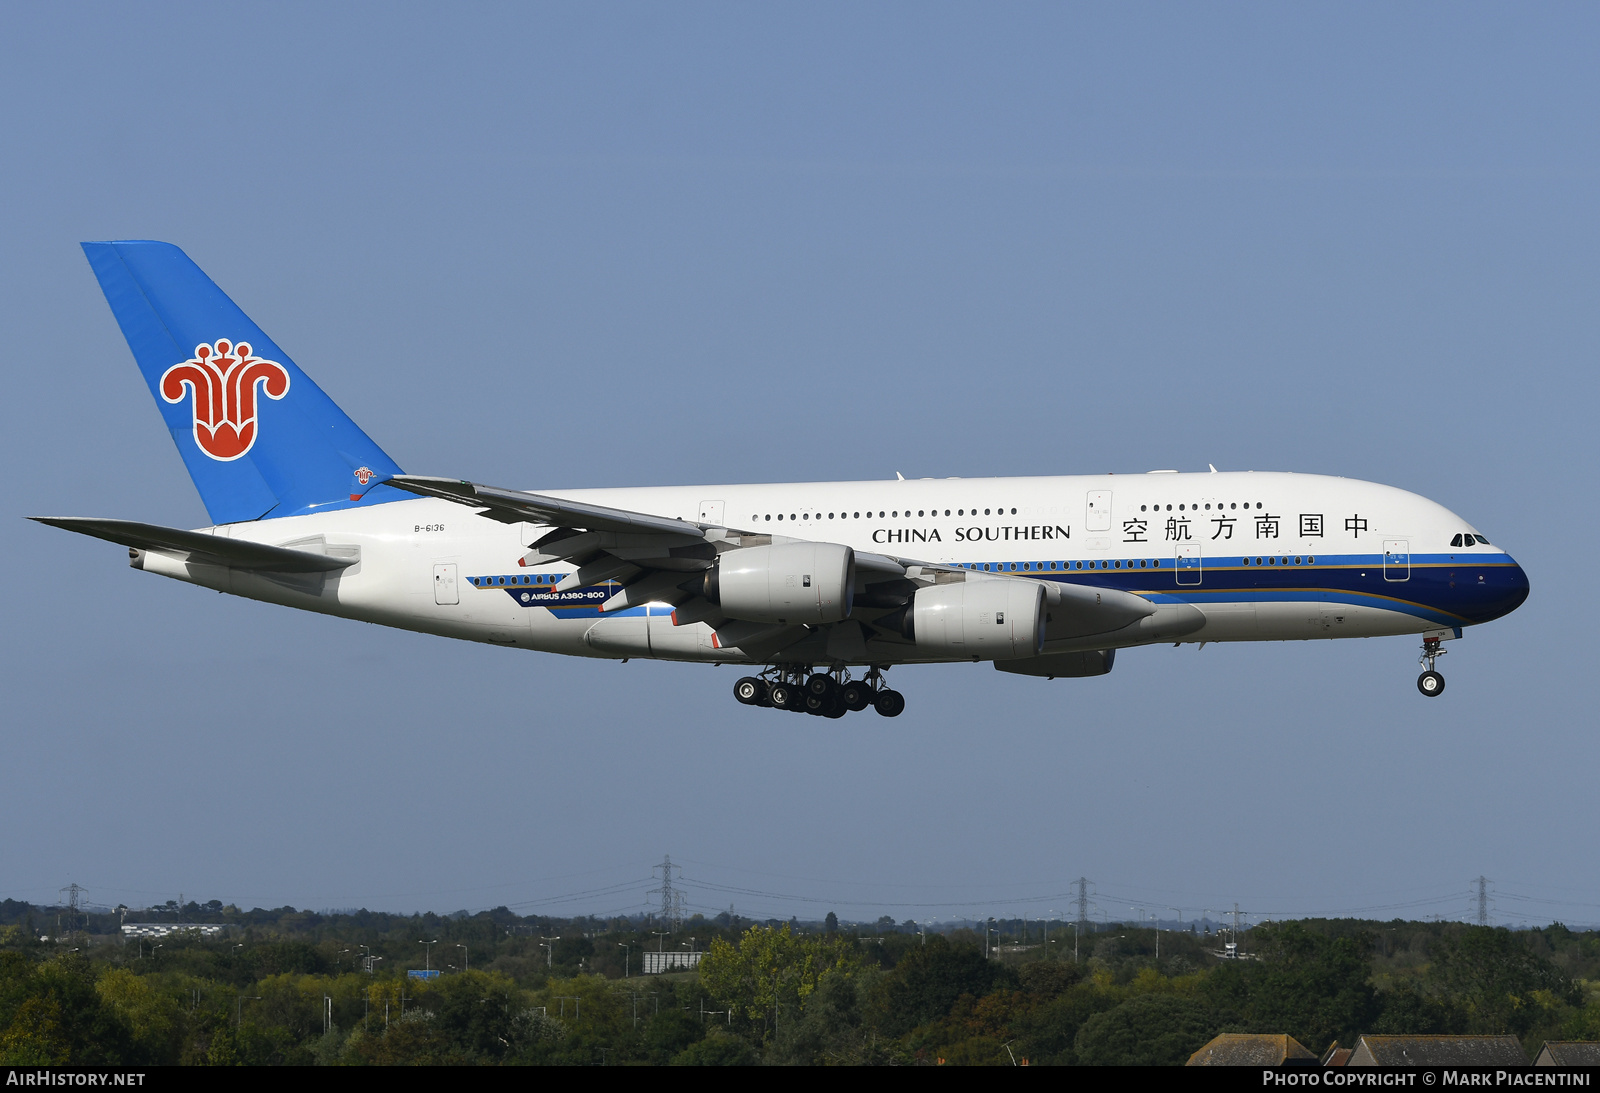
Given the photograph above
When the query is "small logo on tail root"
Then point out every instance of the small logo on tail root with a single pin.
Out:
(363, 476)
(223, 379)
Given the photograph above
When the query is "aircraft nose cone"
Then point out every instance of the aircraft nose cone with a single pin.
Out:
(1502, 590)
(1519, 580)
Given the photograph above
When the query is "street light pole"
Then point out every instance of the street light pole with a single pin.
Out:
(427, 962)
(466, 958)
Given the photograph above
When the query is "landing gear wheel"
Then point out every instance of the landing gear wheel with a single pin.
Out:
(889, 703)
(1431, 683)
(784, 696)
(829, 706)
(750, 690)
(856, 696)
(820, 684)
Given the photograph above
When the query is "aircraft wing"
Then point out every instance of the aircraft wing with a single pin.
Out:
(649, 558)
(200, 547)
(515, 507)
(658, 559)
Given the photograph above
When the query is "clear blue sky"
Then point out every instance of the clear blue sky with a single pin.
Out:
(589, 246)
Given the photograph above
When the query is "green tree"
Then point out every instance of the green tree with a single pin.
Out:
(1498, 981)
(718, 1048)
(153, 1018)
(670, 1032)
(1403, 1010)
(53, 1007)
(1149, 1030)
(1309, 985)
(926, 983)
(477, 1013)
(832, 1029)
(770, 972)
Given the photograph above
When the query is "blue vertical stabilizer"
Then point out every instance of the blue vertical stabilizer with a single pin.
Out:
(259, 438)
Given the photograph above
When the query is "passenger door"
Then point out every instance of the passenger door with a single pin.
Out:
(1188, 563)
(444, 584)
(1397, 559)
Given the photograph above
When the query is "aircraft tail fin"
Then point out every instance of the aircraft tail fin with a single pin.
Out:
(258, 437)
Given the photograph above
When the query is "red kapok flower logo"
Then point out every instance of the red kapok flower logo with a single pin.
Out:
(363, 475)
(223, 379)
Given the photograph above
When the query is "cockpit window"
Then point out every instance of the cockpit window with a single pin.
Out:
(1481, 539)
(1456, 541)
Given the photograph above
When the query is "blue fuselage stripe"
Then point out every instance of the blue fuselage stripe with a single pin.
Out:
(1451, 590)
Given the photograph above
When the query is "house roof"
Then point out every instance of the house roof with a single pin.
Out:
(1438, 1051)
(1336, 1055)
(1569, 1053)
(1251, 1049)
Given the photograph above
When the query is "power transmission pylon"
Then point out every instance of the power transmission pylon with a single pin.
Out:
(74, 902)
(671, 898)
(1483, 901)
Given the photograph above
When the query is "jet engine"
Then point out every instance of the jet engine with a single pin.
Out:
(784, 583)
(980, 619)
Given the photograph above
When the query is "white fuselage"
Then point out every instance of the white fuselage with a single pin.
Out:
(1263, 556)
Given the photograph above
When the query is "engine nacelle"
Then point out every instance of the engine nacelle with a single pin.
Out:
(789, 583)
(978, 619)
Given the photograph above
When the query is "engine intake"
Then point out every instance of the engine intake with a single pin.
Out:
(788, 583)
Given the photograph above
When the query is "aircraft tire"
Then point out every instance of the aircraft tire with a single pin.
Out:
(820, 684)
(1431, 683)
(750, 690)
(784, 697)
(889, 703)
(856, 696)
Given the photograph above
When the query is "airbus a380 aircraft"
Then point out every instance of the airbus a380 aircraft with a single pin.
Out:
(819, 586)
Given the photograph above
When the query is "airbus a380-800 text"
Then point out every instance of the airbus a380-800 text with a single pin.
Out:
(818, 587)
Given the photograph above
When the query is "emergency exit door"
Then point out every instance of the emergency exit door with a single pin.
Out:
(1097, 517)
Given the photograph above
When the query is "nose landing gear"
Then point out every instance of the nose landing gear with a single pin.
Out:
(1430, 682)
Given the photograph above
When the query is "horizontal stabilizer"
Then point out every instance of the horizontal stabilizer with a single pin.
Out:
(200, 547)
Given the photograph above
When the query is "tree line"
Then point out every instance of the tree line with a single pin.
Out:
(292, 987)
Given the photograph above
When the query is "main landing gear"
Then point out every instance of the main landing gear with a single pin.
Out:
(1430, 682)
(823, 694)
